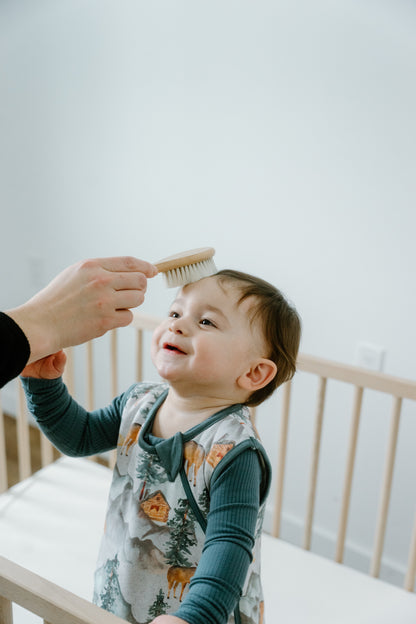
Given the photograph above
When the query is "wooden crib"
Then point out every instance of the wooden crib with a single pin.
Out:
(47, 555)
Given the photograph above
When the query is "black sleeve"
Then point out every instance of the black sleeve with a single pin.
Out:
(14, 349)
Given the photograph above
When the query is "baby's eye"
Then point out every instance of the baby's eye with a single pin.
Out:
(208, 322)
(173, 314)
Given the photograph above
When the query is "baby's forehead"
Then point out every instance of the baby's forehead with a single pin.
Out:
(210, 286)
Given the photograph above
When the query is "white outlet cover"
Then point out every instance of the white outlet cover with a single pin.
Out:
(370, 356)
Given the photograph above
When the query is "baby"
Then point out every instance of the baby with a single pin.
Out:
(184, 519)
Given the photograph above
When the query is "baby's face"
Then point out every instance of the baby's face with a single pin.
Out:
(206, 342)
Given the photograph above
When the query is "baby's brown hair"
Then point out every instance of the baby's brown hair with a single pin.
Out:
(279, 322)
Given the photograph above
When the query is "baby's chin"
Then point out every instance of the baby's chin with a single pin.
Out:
(165, 373)
(175, 380)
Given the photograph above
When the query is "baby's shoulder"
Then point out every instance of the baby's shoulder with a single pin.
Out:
(140, 398)
(226, 435)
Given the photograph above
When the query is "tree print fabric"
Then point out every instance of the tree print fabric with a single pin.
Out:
(153, 541)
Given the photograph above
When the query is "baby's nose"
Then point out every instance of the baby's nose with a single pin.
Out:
(175, 330)
(176, 326)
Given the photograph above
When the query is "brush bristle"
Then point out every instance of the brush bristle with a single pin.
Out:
(189, 273)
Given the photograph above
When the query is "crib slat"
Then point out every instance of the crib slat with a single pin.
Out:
(313, 479)
(6, 611)
(114, 366)
(281, 458)
(139, 355)
(90, 383)
(409, 582)
(46, 451)
(386, 489)
(68, 376)
(346, 497)
(23, 440)
(90, 376)
(112, 459)
(114, 383)
(69, 379)
(3, 456)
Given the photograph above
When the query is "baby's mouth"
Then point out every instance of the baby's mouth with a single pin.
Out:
(171, 347)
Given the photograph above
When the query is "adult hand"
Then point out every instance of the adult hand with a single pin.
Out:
(83, 302)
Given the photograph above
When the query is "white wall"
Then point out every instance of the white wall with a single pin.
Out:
(282, 133)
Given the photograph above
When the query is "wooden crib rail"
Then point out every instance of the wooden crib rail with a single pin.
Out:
(45, 599)
(361, 379)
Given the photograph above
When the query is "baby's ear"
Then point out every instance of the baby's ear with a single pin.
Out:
(259, 375)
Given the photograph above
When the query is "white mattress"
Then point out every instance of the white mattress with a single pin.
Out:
(52, 524)
(301, 587)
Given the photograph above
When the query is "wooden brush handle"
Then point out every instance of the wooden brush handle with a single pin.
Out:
(185, 258)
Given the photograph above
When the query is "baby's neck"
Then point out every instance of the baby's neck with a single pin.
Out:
(181, 413)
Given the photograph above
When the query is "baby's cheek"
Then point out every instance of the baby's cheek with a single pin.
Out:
(154, 345)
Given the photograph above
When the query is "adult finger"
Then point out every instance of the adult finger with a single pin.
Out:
(124, 299)
(122, 318)
(129, 281)
(127, 263)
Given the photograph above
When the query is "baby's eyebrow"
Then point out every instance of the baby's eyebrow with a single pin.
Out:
(177, 301)
(211, 308)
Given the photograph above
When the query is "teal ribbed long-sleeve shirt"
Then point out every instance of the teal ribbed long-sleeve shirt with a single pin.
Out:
(234, 498)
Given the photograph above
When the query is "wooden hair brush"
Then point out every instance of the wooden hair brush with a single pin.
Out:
(188, 266)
